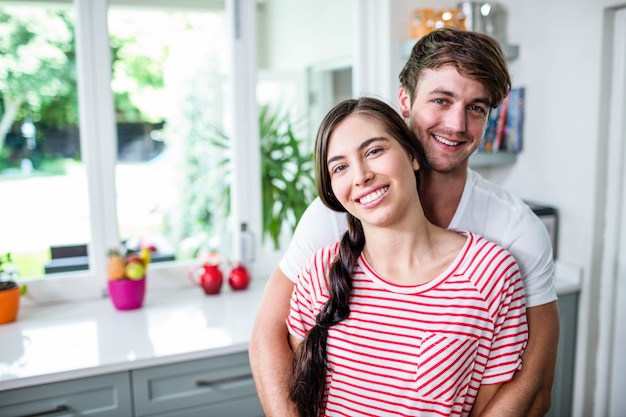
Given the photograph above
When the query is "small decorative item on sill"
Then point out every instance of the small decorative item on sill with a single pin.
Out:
(10, 293)
(208, 276)
(239, 277)
(127, 278)
(9, 303)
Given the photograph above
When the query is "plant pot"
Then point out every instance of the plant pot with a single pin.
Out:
(127, 294)
(9, 304)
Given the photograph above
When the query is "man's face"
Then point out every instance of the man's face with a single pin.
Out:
(449, 117)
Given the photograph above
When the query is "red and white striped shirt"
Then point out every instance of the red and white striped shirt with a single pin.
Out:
(418, 350)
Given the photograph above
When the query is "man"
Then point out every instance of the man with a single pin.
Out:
(448, 87)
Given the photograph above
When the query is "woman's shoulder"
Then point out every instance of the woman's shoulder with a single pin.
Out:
(322, 257)
(480, 251)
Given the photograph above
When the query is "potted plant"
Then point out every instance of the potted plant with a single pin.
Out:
(287, 171)
(9, 292)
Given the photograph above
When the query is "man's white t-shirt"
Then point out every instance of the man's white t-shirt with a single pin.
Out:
(485, 209)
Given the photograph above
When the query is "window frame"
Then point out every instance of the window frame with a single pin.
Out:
(98, 140)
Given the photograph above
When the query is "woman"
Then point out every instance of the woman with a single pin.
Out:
(400, 317)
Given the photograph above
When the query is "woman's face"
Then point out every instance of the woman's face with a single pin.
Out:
(371, 175)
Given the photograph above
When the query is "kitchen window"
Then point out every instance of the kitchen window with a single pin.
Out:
(128, 155)
(110, 140)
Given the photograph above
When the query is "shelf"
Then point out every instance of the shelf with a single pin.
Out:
(482, 159)
(511, 52)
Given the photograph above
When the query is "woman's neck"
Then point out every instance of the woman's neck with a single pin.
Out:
(411, 255)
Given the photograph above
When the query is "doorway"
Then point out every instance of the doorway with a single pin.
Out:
(617, 401)
(328, 84)
(611, 363)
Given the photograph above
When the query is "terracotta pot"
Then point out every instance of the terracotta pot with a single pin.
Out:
(9, 304)
(127, 294)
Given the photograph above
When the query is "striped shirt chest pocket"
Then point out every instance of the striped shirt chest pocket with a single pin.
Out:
(445, 367)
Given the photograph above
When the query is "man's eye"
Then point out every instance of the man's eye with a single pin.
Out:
(440, 101)
(478, 109)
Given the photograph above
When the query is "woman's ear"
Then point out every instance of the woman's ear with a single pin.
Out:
(416, 165)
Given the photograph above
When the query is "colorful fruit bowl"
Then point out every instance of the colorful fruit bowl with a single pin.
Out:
(127, 294)
(127, 278)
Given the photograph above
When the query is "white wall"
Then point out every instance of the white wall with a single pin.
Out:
(303, 33)
(561, 66)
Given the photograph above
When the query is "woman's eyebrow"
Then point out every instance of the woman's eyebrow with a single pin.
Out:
(362, 146)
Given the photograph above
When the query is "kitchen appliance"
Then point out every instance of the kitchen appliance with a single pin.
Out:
(478, 16)
(550, 218)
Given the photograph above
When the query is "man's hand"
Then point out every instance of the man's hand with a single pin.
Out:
(529, 393)
(270, 353)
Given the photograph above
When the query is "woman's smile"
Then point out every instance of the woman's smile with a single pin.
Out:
(369, 198)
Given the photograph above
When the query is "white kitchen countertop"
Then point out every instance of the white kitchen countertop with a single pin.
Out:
(73, 340)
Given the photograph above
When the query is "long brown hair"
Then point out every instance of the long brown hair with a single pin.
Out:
(308, 377)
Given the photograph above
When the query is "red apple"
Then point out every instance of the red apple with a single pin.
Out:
(239, 278)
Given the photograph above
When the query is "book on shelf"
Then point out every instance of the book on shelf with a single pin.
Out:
(501, 128)
(515, 120)
(490, 132)
(504, 131)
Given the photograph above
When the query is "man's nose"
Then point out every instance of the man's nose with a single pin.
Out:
(456, 119)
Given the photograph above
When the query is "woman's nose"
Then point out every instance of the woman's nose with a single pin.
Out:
(362, 174)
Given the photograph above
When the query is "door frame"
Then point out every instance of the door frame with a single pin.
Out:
(611, 160)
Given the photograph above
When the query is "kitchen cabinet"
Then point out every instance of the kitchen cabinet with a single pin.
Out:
(562, 389)
(217, 386)
(103, 396)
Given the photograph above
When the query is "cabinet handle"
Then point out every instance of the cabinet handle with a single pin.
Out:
(57, 409)
(205, 383)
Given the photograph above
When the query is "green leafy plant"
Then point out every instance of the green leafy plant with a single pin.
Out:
(6, 279)
(287, 172)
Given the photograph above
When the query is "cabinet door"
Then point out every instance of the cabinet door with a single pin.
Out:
(241, 407)
(189, 384)
(563, 386)
(104, 395)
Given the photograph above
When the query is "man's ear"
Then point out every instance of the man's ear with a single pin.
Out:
(404, 102)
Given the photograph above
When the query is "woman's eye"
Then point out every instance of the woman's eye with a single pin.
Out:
(338, 169)
(375, 151)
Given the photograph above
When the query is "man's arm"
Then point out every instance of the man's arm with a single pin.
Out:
(270, 352)
(485, 393)
(529, 392)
